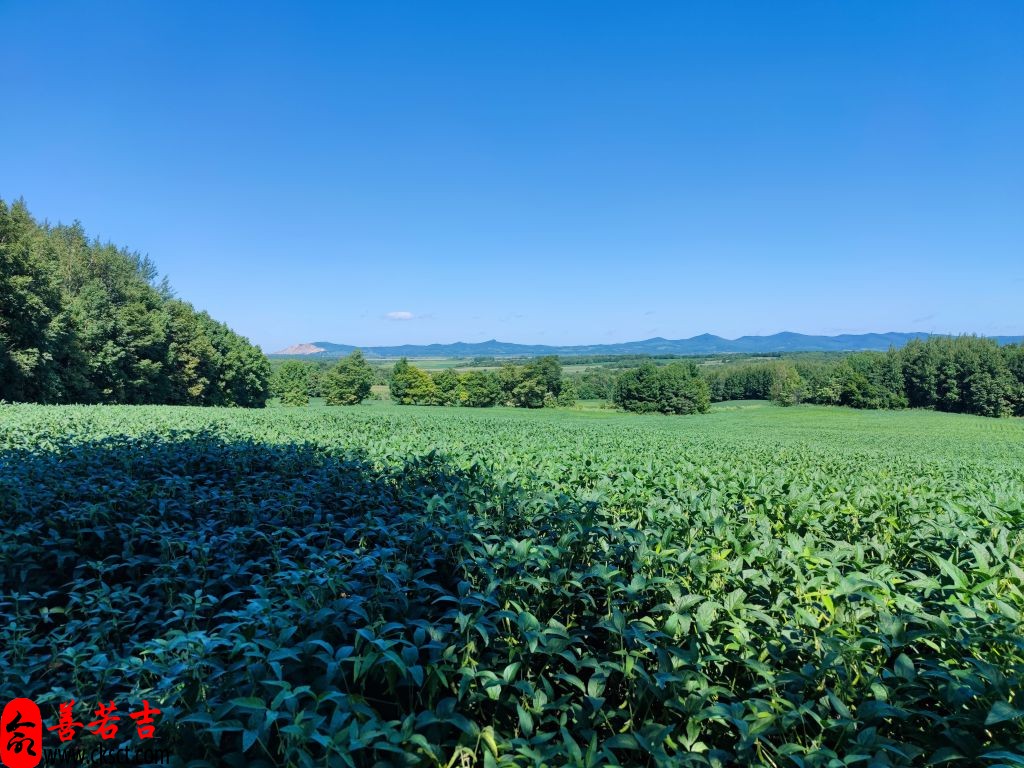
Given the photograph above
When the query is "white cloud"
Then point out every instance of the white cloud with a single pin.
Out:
(400, 315)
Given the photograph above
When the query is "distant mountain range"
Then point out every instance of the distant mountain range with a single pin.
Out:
(705, 344)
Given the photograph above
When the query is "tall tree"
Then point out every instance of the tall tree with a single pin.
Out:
(28, 306)
(413, 386)
(639, 389)
(787, 386)
(481, 388)
(192, 360)
(682, 389)
(399, 381)
(548, 371)
(291, 383)
(1014, 357)
(349, 382)
(88, 322)
(449, 388)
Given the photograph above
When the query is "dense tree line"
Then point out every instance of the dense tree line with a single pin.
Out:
(86, 322)
(674, 388)
(963, 374)
(346, 382)
(740, 382)
(594, 383)
(537, 384)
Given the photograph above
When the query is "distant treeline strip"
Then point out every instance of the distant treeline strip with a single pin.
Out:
(674, 388)
(86, 322)
(536, 384)
(963, 374)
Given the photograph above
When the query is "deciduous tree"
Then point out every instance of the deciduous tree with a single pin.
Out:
(349, 382)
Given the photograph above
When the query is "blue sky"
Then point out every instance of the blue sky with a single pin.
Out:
(575, 172)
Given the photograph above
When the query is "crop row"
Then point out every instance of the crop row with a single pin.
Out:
(419, 586)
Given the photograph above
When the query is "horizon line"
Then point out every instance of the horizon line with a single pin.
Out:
(653, 338)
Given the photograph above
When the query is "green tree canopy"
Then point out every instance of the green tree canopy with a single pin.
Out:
(449, 387)
(961, 374)
(521, 386)
(639, 389)
(481, 388)
(291, 382)
(548, 371)
(87, 322)
(349, 382)
(787, 387)
(567, 396)
(412, 386)
(676, 388)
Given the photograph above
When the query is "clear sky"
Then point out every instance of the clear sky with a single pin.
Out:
(571, 172)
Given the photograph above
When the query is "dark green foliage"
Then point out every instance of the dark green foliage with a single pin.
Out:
(314, 380)
(750, 381)
(87, 322)
(449, 387)
(548, 371)
(348, 382)
(787, 387)
(639, 389)
(400, 382)
(567, 396)
(870, 380)
(920, 374)
(533, 385)
(683, 390)
(243, 373)
(410, 385)
(482, 389)
(191, 359)
(529, 392)
(291, 382)
(594, 384)
(963, 374)
(820, 383)
(314, 371)
(1014, 357)
(29, 305)
(676, 388)
(509, 377)
(727, 594)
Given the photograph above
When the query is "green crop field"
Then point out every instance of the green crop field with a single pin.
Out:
(386, 585)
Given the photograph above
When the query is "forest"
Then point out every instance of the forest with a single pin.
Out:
(962, 374)
(87, 322)
(538, 383)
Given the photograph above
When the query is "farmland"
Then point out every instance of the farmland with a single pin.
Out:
(809, 586)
